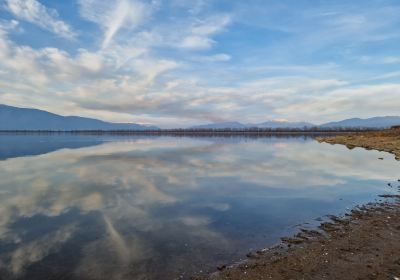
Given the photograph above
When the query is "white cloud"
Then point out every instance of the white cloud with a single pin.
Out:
(211, 25)
(114, 15)
(347, 102)
(132, 85)
(68, 83)
(197, 42)
(221, 57)
(146, 66)
(36, 13)
(201, 31)
(150, 69)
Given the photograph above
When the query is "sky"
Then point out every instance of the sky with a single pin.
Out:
(177, 63)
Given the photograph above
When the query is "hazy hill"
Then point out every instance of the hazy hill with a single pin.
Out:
(376, 122)
(14, 118)
(268, 124)
(236, 125)
(282, 124)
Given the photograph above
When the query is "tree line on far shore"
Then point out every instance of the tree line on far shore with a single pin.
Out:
(250, 130)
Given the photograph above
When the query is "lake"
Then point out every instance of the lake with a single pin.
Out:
(141, 207)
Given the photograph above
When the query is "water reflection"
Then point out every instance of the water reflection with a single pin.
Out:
(17, 145)
(160, 208)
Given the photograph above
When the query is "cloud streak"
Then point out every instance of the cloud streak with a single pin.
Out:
(114, 15)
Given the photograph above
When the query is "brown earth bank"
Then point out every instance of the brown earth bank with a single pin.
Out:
(385, 140)
(365, 244)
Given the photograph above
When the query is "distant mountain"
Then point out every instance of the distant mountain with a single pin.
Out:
(284, 124)
(376, 122)
(268, 124)
(236, 125)
(14, 118)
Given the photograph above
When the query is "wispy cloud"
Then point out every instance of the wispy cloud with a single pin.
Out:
(200, 33)
(36, 13)
(219, 57)
(114, 15)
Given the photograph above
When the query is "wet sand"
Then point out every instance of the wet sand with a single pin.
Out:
(365, 244)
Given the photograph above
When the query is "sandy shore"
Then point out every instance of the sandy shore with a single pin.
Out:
(385, 140)
(364, 244)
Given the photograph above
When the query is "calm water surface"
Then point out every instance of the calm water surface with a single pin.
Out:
(85, 207)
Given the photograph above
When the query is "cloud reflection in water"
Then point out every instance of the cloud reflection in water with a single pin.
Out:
(161, 207)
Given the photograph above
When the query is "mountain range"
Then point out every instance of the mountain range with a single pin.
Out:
(14, 118)
(267, 124)
(375, 122)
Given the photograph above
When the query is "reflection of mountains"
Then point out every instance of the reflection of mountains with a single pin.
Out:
(20, 145)
(12, 146)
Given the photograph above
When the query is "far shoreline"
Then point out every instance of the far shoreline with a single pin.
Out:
(199, 132)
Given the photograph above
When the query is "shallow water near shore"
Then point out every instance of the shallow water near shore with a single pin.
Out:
(132, 207)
